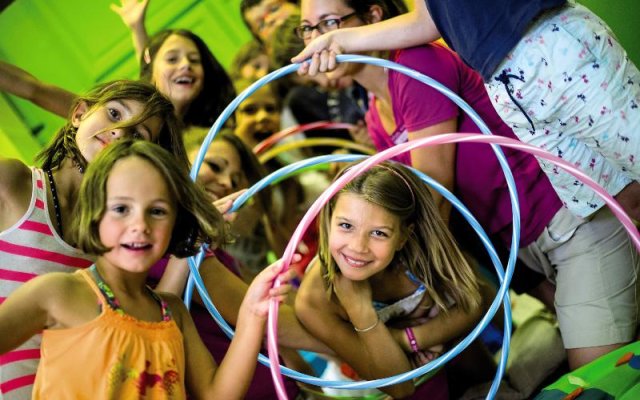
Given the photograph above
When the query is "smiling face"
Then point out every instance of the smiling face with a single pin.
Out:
(258, 117)
(265, 17)
(363, 237)
(97, 125)
(139, 216)
(178, 72)
(221, 173)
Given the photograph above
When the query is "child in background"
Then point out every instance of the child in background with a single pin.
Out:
(39, 202)
(555, 74)
(230, 166)
(251, 62)
(386, 257)
(177, 62)
(137, 342)
(262, 17)
(181, 66)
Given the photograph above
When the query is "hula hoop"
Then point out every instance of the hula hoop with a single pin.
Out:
(276, 137)
(310, 142)
(272, 328)
(301, 165)
(457, 138)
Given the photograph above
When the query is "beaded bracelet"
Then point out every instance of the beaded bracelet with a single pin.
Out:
(413, 343)
(369, 328)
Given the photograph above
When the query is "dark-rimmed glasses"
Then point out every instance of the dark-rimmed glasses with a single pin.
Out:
(304, 32)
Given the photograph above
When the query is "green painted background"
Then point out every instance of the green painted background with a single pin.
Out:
(76, 43)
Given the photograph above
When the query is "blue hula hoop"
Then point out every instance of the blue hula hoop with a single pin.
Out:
(505, 275)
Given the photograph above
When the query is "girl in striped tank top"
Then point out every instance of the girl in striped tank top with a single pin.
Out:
(38, 203)
(136, 343)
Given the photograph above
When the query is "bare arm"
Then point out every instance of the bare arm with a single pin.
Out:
(437, 161)
(133, 13)
(20, 83)
(372, 354)
(26, 311)
(441, 329)
(231, 379)
(15, 191)
(447, 327)
(227, 291)
(406, 30)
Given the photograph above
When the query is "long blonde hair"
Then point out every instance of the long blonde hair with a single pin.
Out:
(429, 253)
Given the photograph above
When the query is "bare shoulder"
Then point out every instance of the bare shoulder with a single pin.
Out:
(68, 298)
(56, 289)
(312, 292)
(64, 285)
(15, 191)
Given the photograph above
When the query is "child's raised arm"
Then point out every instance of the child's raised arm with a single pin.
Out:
(406, 30)
(133, 13)
(231, 379)
(20, 83)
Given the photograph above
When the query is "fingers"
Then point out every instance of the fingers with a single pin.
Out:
(304, 68)
(280, 291)
(115, 8)
(274, 271)
(225, 203)
(332, 62)
(231, 197)
(320, 61)
(306, 53)
(302, 248)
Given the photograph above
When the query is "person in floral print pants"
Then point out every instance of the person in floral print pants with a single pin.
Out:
(569, 87)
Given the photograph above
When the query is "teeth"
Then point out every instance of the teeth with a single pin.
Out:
(184, 79)
(137, 245)
(355, 263)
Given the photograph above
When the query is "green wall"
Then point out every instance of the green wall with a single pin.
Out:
(76, 43)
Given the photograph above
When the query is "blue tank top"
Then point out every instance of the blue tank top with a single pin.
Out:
(483, 32)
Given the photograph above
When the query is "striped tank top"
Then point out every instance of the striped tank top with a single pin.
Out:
(29, 248)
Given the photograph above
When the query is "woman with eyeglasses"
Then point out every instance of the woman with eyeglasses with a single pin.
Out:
(553, 241)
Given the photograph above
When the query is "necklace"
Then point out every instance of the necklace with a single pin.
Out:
(56, 202)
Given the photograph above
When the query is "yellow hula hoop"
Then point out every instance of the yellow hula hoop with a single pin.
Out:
(311, 142)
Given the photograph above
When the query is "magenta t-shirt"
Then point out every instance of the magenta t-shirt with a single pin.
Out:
(479, 180)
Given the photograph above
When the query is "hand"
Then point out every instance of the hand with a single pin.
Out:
(225, 203)
(261, 290)
(355, 297)
(423, 357)
(322, 52)
(132, 12)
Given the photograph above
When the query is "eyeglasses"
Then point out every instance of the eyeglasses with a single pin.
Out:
(304, 32)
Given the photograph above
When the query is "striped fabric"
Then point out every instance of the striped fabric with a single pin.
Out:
(29, 248)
